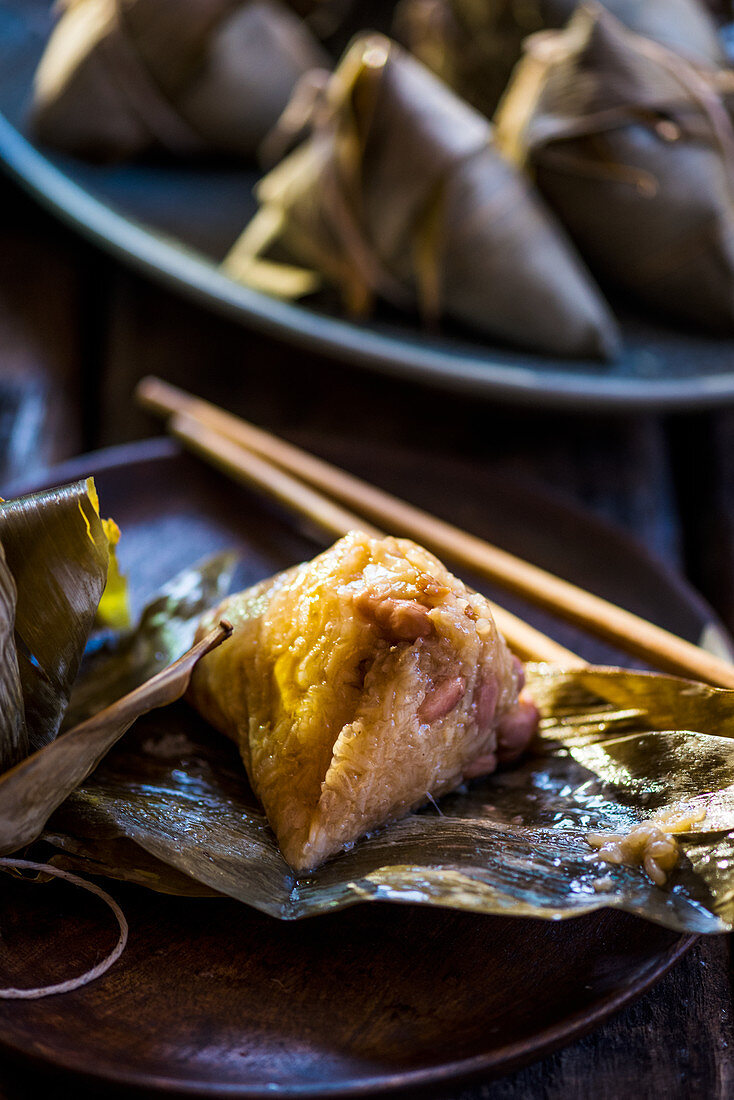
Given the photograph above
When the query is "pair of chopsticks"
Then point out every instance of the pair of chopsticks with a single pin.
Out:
(326, 495)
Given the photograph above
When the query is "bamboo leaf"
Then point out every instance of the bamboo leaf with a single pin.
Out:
(31, 791)
(57, 552)
(120, 859)
(114, 606)
(13, 732)
(514, 843)
(165, 631)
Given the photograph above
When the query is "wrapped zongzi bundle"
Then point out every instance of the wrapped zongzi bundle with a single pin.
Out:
(357, 686)
(121, 77)
(684, 26)
(474, 44)
(633, 148)
(400, 193)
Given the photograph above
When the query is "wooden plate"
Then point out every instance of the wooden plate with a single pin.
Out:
(214, 999)
(174, 221)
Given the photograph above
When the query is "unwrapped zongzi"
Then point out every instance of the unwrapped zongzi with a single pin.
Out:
(399, 193)
(121, 77)
(357, 686)
(633, 148)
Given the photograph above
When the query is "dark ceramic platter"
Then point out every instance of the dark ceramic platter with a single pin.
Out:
(172, 221)
(212, 998)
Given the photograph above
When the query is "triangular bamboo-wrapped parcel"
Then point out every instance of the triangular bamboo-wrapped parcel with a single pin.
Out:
(474, 44)
(634, 150)
(684, 26)
(400, 193)
(357, 686)
(121, 77)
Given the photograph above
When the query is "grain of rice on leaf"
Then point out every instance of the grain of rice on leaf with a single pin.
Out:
(399, 193)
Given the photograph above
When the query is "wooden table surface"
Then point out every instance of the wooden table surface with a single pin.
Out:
(77, 331)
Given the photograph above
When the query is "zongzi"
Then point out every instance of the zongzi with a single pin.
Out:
(633, 148)
(400, 193)
(357, 686)
(474, 44)
(684, 26)
(121, 77)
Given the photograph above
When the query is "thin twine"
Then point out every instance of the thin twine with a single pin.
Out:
(89, 975)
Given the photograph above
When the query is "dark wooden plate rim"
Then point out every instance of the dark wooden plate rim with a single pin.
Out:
(509, 1057)
(169, 262)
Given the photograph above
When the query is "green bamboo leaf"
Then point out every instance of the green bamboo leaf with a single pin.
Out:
(57, 552)
(13, 733)
(165, 631)
(114, 607)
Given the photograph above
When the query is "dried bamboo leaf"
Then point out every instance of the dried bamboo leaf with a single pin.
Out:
(122, 860)
(33, 789)
(511, 844)
(599, 703)
(165, 631)
(57, 552)
(13, 732)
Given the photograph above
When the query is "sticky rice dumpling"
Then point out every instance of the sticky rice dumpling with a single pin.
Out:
(357, 686)
(634, 150)
(399, 193)
(684, 26)
(121, 77)
(474, 44)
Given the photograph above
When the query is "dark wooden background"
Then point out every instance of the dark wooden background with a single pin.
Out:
(77, 331)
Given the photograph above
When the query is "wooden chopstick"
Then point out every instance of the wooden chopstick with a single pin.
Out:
(621, 628)
(256, 472)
